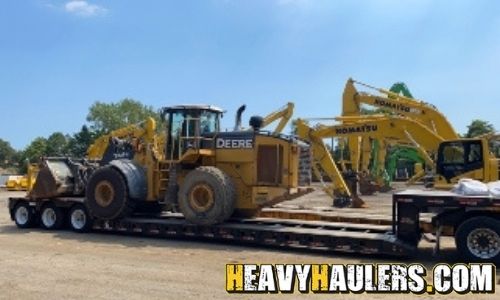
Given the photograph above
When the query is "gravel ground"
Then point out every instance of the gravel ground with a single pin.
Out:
(37, 264)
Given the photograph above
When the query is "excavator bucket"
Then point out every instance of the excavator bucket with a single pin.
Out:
(351, 179)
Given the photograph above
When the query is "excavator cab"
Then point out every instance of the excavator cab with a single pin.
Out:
(458, 157)
(188, 126)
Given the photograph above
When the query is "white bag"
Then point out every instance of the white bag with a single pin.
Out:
(471, 187)
(494, 188)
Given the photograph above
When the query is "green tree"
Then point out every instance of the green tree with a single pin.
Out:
(32, 153)
(479, 127)
(57, 144)
(105, 117)
(8, 155)
(374, 111)
(80, 141)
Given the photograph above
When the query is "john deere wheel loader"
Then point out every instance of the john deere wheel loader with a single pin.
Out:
(206, 174)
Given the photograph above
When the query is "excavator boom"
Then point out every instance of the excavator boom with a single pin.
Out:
(415, 109)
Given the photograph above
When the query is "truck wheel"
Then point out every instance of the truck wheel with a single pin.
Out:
(107, 195)
(51, 217)
(478, 239)
(79, 219)
(23, 215)
(207, 196)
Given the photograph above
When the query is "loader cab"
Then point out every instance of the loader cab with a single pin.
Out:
(188, 126)
(458, 157)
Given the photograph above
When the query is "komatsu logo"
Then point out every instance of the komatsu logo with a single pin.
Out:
(356, 129)
(234, 143)
(395, 106)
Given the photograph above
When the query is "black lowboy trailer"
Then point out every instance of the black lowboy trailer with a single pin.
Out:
(474, 221)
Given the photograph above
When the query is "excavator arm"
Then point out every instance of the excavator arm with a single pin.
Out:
(417, 110)
(381, 127)
(324, 162)
(283, 115)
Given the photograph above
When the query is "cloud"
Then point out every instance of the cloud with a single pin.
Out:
(84, 8)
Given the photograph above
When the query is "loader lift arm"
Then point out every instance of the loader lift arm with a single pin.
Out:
(145, 129)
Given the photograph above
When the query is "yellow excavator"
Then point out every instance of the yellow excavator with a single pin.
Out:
(342, 185)
(451, 159)
(394, 103)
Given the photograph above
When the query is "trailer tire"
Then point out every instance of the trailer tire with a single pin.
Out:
(478, 239)
(207, 196)
(107, 195)
(79, 218)
(23, 214)
(51, 217)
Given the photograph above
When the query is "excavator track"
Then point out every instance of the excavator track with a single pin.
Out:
(268, 232)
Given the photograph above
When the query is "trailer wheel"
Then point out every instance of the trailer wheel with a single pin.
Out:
(23, 215)
(107, 195)
(478, 239)
(207, 196)
(51, 217)
(79, 219)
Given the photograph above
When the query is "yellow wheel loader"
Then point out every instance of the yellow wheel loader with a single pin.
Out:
(195, 168)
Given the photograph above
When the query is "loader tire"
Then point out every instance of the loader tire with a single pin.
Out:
(107, 195)
(207, 196)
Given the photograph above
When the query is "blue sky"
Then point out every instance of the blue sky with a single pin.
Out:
(58, 57)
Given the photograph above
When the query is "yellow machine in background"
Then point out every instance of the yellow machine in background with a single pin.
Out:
(396, 104)
(451, 159)
(344, 194)
(16, 183)
(22, 182)
(414, 109)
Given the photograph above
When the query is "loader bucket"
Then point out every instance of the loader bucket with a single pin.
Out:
(54, 179)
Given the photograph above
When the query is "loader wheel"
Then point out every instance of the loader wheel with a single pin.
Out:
(79, 219)
(478, 239)
(51, 217)
(23, 215)
(207, 196)
(107, 195)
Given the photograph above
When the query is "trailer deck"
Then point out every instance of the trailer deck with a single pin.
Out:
(281, 233)
(414, 212)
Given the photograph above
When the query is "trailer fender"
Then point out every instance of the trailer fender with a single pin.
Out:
(134, 175)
